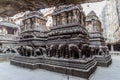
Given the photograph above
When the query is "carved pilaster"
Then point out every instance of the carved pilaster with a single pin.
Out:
(58, 19)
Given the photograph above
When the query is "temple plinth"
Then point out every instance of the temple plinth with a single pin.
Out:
(97, 41)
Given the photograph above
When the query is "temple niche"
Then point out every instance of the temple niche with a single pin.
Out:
(97, 41)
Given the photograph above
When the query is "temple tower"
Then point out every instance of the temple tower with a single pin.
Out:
(93, 25)
(69, 30)
(97, 41)
(32, 35)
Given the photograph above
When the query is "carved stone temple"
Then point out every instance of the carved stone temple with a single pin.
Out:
(66, 48)
(97, 41)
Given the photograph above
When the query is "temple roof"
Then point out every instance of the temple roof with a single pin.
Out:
(11, 7)
(8, 24)
(66, 8)
(91, 15)
(34, 14)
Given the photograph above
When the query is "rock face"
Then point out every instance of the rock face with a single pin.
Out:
(11, 7)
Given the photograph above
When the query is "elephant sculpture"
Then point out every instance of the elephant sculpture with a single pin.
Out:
(74, 51)
(101, 52)
(40, 51)
(86, 51)
(52, 50)
(95, 50)
(62, 50)
(19, 50)
(68, 51)
(25, 50)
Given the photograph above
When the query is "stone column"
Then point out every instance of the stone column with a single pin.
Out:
(81, 18)
(112, 47)
(84, 22)
(58, 20)
(54, 20)
(78, 15)
(25, 24)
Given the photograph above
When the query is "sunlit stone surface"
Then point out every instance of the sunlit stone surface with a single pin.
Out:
(9, 72)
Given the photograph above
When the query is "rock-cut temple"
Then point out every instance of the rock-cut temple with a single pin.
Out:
(70, 47)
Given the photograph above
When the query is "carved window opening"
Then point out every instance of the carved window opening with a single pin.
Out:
(10, 31)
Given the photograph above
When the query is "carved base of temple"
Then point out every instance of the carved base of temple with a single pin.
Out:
(74, 67)
(104, 61)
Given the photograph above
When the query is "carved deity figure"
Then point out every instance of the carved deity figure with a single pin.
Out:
(69, 17)
(28, 24)
(64, 20)
(74, 16)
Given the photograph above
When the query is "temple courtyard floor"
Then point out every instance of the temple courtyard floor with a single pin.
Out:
(10, 72)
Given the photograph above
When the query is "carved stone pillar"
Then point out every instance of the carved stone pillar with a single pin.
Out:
(58, 20)
(84, 18)
(78, 16)
(54, 21)
(93, 23)
(82, 22)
